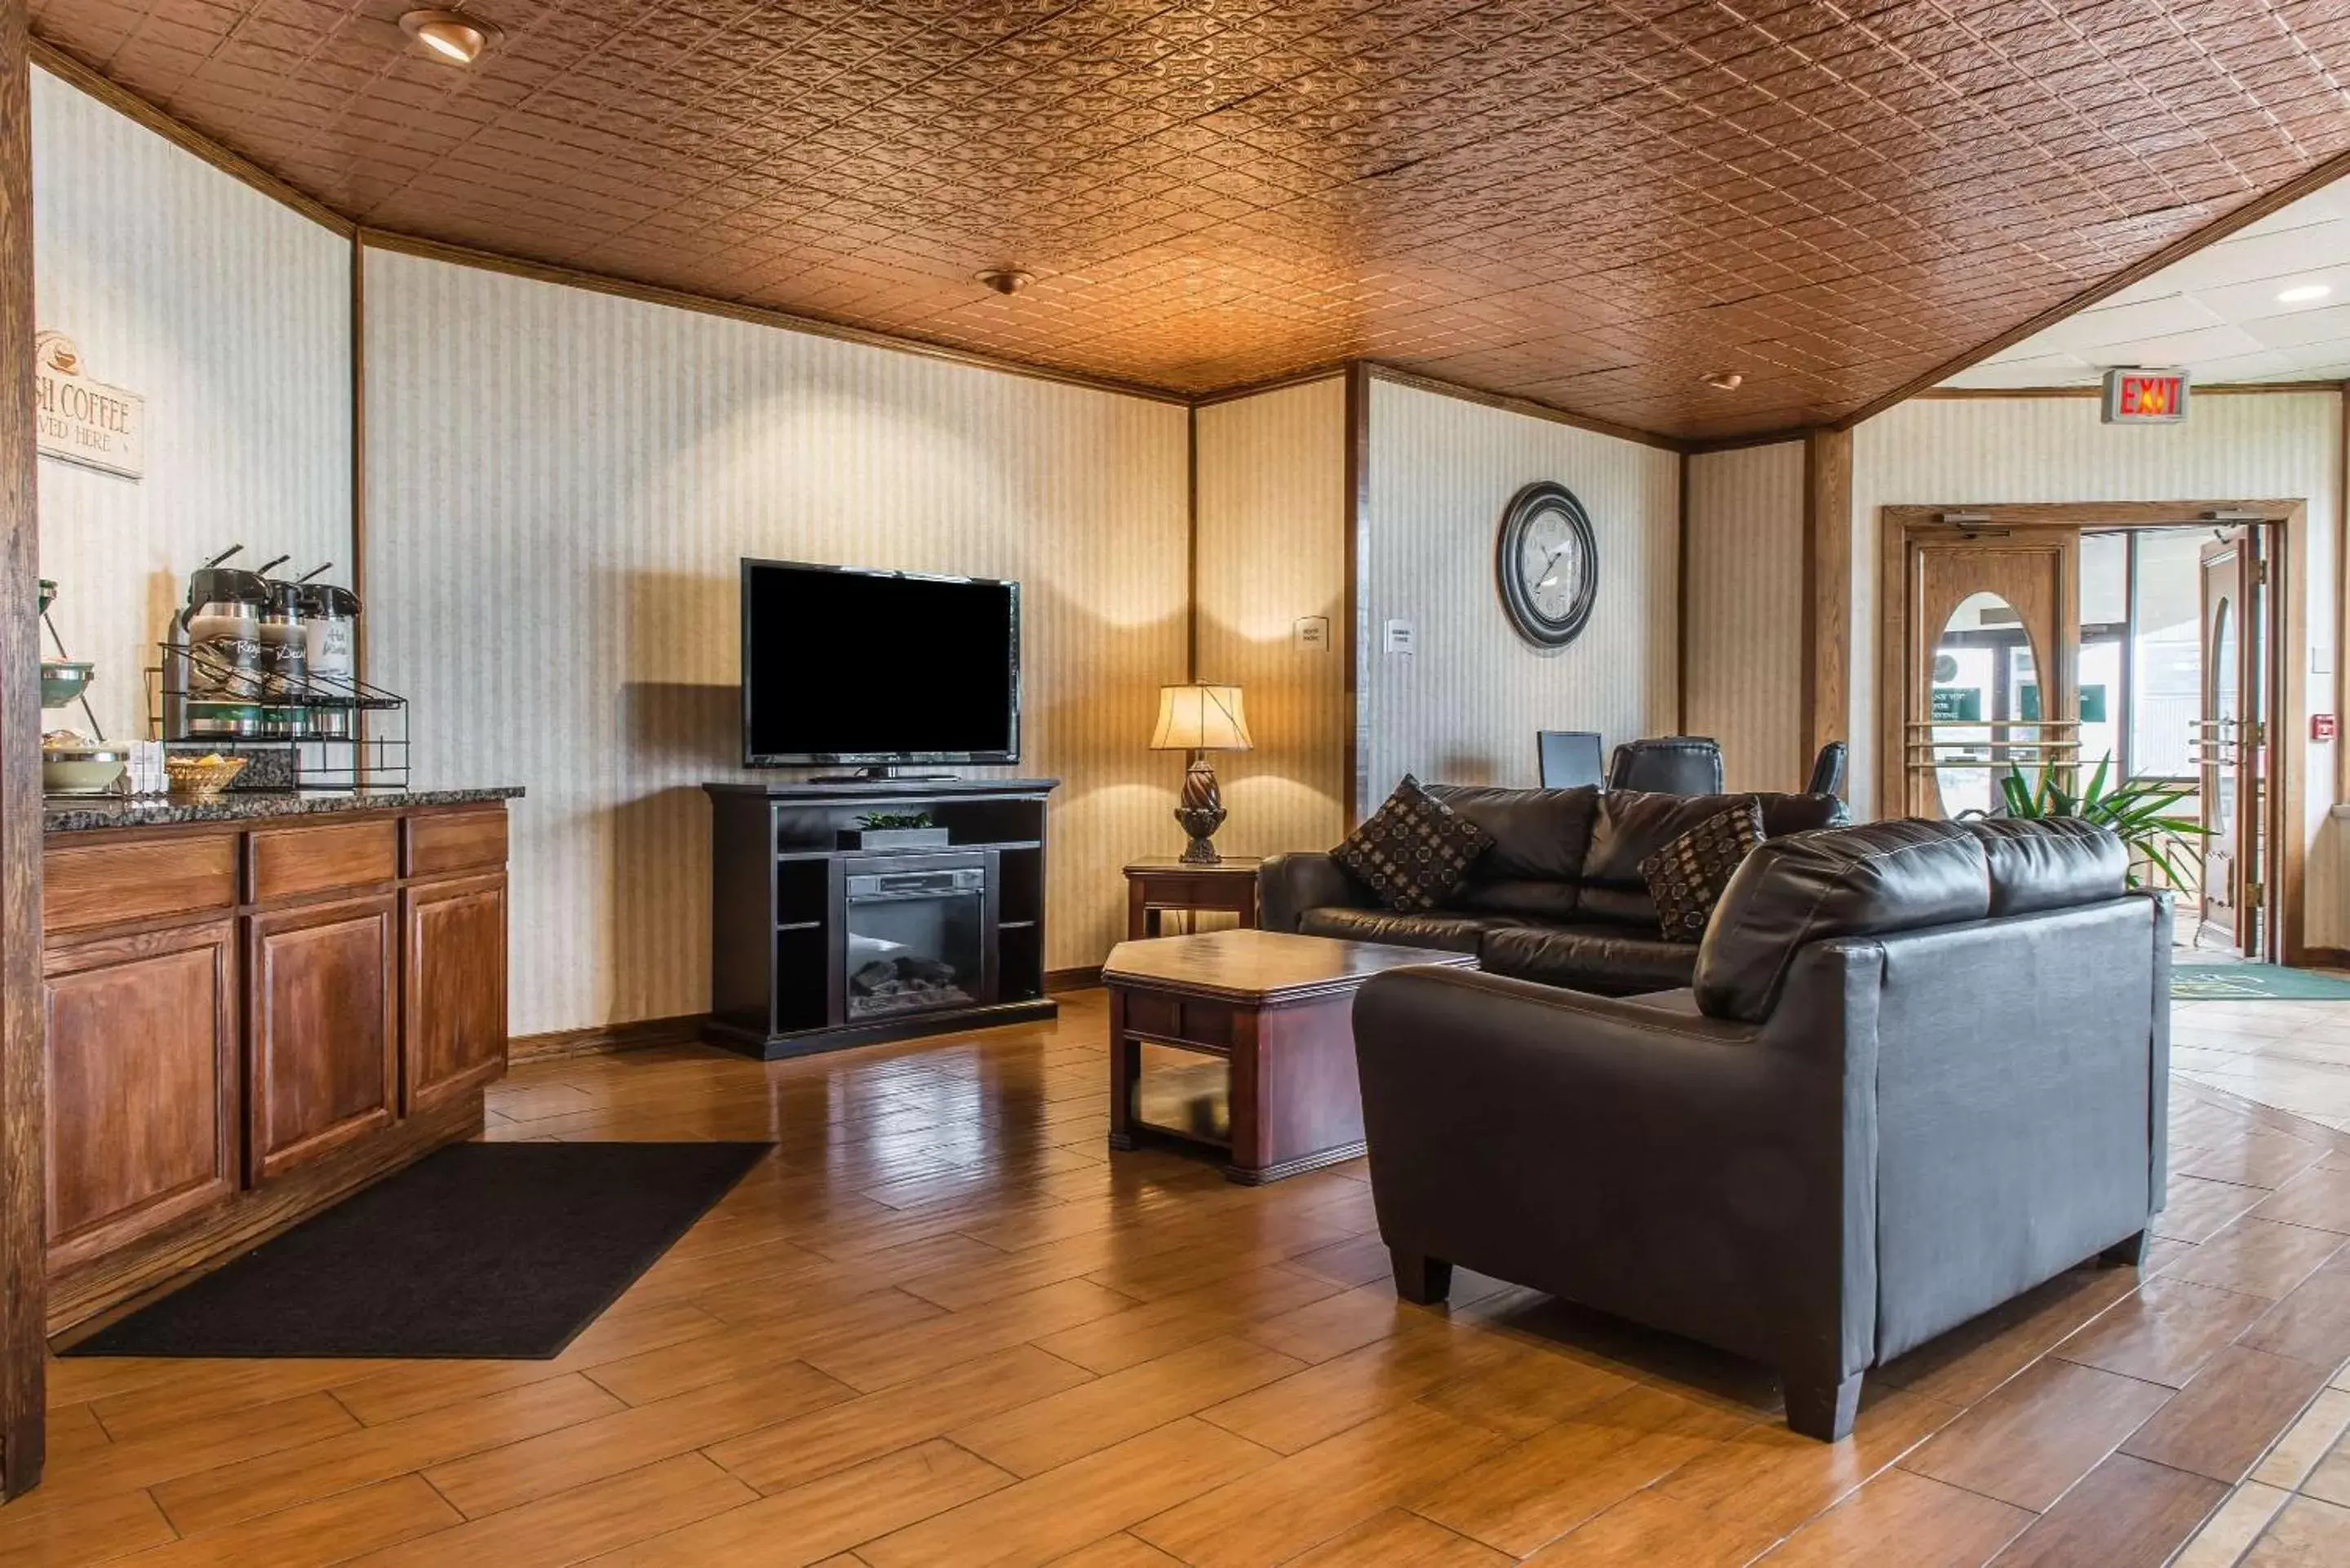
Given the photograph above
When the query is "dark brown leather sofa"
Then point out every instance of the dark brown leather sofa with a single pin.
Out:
(1559, 898)
(1923, 1068)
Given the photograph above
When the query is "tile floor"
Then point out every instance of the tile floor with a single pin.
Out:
(2291, 1055)
(2293, 1510)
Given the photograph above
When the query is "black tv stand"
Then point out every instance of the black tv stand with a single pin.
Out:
(818, 943)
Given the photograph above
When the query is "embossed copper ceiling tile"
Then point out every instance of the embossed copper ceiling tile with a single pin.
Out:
(1591, 202)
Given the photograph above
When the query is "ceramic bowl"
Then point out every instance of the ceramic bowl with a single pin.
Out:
(62, 679)
(81, 769)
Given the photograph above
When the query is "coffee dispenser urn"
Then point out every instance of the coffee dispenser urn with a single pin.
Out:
(284, 663)
(217, 657)
(331, 621)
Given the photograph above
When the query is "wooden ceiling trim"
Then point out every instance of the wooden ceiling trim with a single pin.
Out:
(2316, 178)
(1529, 406)
(1743, 442)
(187, 138)
(1305, 377)
(1826, 201)
(229, 162)
(756, 314)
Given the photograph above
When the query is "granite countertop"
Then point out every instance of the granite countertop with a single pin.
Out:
(85, 814)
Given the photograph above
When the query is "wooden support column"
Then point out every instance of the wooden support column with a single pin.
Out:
(1357, 630)
(2337, 694)
(1828, 591)
(23, 1288)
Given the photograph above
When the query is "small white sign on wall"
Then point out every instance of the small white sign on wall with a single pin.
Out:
(78, 420)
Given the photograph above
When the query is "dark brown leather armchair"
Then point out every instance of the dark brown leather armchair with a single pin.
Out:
(1668, 765)
(1923, 1068)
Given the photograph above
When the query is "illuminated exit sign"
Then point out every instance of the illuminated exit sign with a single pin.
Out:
(2145, 397)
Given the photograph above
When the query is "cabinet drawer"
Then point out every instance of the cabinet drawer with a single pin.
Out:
(1202, 893)
(287, 862)
(1179, 1020)
(460, 841)
(87, 885)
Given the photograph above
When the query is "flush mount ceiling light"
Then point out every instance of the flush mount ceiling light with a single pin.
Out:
(1725, 381)
(1007, 279)
(451, 35)
(2303, 293)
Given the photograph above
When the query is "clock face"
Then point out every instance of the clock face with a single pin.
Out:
(1548, 562)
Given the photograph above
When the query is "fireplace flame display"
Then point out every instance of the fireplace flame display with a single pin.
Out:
(904, 985)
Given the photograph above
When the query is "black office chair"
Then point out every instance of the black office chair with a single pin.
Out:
(1570, 758)
(1668, 765)
(1827, 770)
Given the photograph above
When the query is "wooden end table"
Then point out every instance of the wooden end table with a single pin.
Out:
(1161, 883)
(1279, 1010)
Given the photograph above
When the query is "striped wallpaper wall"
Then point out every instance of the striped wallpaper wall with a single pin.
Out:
(1986, 451)
(231, 314)
(1273, 548)
(560, 485)
(1744, 600)
(1464, 707)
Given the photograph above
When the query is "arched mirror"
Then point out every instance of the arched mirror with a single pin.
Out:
(1986, 702)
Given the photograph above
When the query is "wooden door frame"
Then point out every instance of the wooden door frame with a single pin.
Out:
(23, 1280)
(1899, 525)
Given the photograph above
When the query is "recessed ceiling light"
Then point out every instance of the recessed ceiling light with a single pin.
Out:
(451, 35)
(2303, 293)
(1007, 279)
(1725, 381)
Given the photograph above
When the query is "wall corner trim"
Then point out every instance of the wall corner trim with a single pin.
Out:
(1827, 610)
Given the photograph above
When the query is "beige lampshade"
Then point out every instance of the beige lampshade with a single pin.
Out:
(1198, 717)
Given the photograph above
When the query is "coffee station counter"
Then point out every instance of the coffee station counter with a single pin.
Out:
(89, 813)
(257, 1004)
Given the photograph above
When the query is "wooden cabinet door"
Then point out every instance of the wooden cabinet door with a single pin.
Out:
(140, 1050)
(320, 1043)
(453, 989)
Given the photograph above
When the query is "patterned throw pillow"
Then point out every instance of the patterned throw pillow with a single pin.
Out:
(1685, 876)
(1415, 850)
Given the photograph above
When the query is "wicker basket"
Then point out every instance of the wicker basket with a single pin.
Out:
(194, 778)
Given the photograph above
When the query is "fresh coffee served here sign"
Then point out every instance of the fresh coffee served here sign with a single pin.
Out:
(83, 420)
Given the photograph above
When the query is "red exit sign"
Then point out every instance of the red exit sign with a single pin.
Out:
(2145, 397)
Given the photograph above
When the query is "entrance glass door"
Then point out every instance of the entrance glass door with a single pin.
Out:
(1994, 644)
(2231, 742)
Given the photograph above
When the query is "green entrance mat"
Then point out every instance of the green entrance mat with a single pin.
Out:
(2254, 982)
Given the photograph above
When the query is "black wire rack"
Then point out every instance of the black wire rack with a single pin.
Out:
(322, 732)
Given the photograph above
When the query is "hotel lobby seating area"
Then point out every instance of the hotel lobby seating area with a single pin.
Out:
(903, 784)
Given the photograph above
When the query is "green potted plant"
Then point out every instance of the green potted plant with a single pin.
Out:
(895, 830)
(2142, 813)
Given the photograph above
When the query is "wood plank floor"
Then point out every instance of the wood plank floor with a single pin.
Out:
(940, 1325)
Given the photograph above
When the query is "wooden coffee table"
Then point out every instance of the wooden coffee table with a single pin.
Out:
(1278, 1009)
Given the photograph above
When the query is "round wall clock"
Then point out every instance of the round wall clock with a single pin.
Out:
(1548, 562)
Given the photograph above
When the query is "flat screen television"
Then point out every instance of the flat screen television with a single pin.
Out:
(842, 665)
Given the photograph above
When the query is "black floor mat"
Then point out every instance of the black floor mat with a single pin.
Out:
(495, 1249)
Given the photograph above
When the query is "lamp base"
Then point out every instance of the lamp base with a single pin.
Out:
(1202, 811)
(1201, 825)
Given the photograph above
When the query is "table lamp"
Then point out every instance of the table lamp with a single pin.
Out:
(1199, 718)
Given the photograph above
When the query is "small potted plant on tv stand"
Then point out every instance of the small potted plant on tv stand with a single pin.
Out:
(895, 830)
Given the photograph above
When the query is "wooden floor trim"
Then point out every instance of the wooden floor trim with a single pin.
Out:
(555, 1044)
